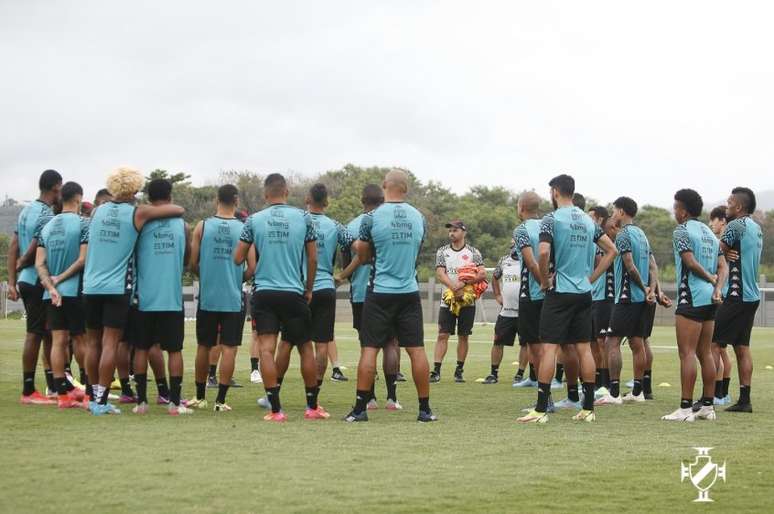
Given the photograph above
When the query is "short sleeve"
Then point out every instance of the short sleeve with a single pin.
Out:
(247, 235)
(424, 229)
(498, 271)
(364, 234)
(681, 240)
(85, 231)
(43, 220)
(344, 238)
(521, 236)
(623, 242)
(477, 259)
(733, 233)
(547, 228)
(597, 233)
(310, 235)
(440, 258)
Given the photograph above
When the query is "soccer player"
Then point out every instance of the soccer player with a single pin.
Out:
(284, 240)
(507, 272)
(602, 298)
(567, 240)
(163, 250)
(26, 284)
(634, 291)
(359, 274)
(391, 236)
(449, 258)
(113, 233)
(220, 315)
(742, 243)
(719, 353)
(61, 255)
(701, 272)
(527, 238)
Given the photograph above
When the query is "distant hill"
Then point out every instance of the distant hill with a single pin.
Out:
(8, 216)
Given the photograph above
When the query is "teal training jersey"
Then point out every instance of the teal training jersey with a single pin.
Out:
(112, 236)
(31, 221)
(331, 235)
(280, 233)
(696, 237)
(220, 280)
(396, 231)
(62, 238)
(527, 235)
(745, 236)
(159, 260)
(631, 239)
(603, 288)
(358, 282)
(573, 237)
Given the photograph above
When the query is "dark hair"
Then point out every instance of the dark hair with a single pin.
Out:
(103, 192)
(601, 213)
(70, 190)
(746, 197)
(718, 213)
(318, 193)
(627, 205)
(274, 184)
(159, 189)
(565, 184)
(691, 200)
(49, 179)
(228, 194)
(579, 201)
(372, 196)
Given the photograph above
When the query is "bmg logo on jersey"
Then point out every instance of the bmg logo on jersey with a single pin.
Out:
(703, 473)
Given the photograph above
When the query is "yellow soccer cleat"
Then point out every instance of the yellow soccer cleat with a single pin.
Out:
(195, 403)
(534, 417)
(585, 415)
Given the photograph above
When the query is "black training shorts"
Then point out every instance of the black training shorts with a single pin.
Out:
(505, 331)
(734, 322)
(211, 324)
(601, 310)
(323, 309)
(386, 315)
(701, 313)
(529, 321)
(566, 318)
(282, 310)
(106, 311)
(32, 297)
(357, 315)
(628, 320)
(164, 328)
(70, 316)
(462, 324)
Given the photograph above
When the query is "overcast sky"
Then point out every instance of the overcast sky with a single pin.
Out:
(632, 98)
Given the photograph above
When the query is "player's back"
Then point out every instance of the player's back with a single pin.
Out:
(28, 226)
(112, 237)
(359, 279)
(696, 237)
(744, 236)
(573, 236)
(220, 279)
(62, 238)
(159, 260)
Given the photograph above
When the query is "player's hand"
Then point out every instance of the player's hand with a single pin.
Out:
(13, 293)
(717, 296)
(650, 295)
(308, 296)
(55, 279)
(459, 293)
(337, 279)
(56, 298)
(664, 300)
(499, 299)
(459, 285)
(547, 283)
(732, 255)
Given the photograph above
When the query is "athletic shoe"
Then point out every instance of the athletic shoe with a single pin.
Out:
(696, 406)
(435, 377)
(609, 400)
(372, 405)
(195, 403)
(66, 401)
(263, 402)
(222, 407)
(112, 409)
(555, 384)
(116, 384)
(706, 412)
(356, 418)
(399, 377)
(602, 391)
(740, 407)
(648, 396)
(490, 379)
(534, 417)
(550, 409)
(726, 400)
(178, 410)
(112, 397)
(629, 397)
(585, 415)
(212, 383)
(77, 394)
(127, 399)
(393, 405)
(53, 395)
(36, 399)
(277, 417)
(74, 382)
(234, 383)
(318, 413)
(630, 384)
(338, 376)
(426, 416)
(99, 409)
(680, 415)
(140, 408)
(568, 404)
(527, 382)
(162, 400)
(255, 376)
(458, 377)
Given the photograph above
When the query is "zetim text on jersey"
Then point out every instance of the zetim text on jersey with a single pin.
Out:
(224, 243)
(278, 227)
(708, 242)
(402, 227)
(163, 238)
(579, 236)
(110, 229)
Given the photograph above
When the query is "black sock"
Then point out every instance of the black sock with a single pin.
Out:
(68, 385)
(437, 367)
(141, 381)
(718, 389)
(213, 370)
(424, 404)
(83, 378)
(544, 390)
(460, 365)
(637, 389)
(253, 364)
(532, 374)
(175, 386)
(89, 390)
(605, 377)
(50, 380)
(311, 397)
(126, 389)
(105, 395)
(559, 372)
(686, 403)
(588, 396)
(372, 392)
(222, 391)
(391, 388)
(495, 369)
(647, 382)
(615, 388)
(162, 387)
(726, 383)
(572, 392)
(520, 374)
(744, 394)
(336, 371)
(61, 385)
(201, 390)
(279, 382)
(28, 383)
(272, 393)
(361, 400)
(706, 401)
(598, 378)
(319, 383)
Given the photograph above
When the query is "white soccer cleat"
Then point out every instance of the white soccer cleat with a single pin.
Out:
(179, 410)
(609, 400)
(602, 391)
(263, 402)
(680, 415)
(255, 376)
(629, 397)
(706, 412)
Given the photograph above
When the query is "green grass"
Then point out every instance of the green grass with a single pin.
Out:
(475, 459)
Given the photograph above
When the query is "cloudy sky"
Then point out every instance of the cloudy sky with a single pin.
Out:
(635, 98)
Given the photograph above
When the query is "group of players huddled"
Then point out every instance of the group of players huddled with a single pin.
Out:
(574, 285)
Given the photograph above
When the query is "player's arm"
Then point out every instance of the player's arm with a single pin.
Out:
(187, 252)
(350, 268)
(13, 256)
(544, 254)
(717, 294)
(480, 269)
(655, 283)
(252, 262)
(311, 268)
(496, 289)
(145, 213)
(632, 270)
(245, 242)
(690, 262)
(363, 245)
(608, 254)
(443, 278)
(45, 279)
(349, 257)
(196, 245)
(728, 240)
(528, 260)
(74, 268)
(29, 257)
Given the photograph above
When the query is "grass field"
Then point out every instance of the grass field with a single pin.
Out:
(475, 459)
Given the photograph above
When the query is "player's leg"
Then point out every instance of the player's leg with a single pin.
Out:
(390, 366)
(50, 385)
(719, 364)
(309, 372)
(708, 371)
(93, 354)
(587, 368)
(122, 369)
(212, 373)
(556, 382)
(447, 323)
(688, 333)
(206, 338)
(465, 321)
(524, 359)
(546, 373)
(366, 370)
(255, 370)
(572, 370)
(744, 364)
(157, 364)
(60, 340)
(227, 365)
(333, 356)
(614, 366)
(111, 336)
(496, 356)
(639, 363)
(32, 297)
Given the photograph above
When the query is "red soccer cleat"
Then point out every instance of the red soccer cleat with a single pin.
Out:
(277, 417)
(318, 413)
(65, 401)
(36, 399)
